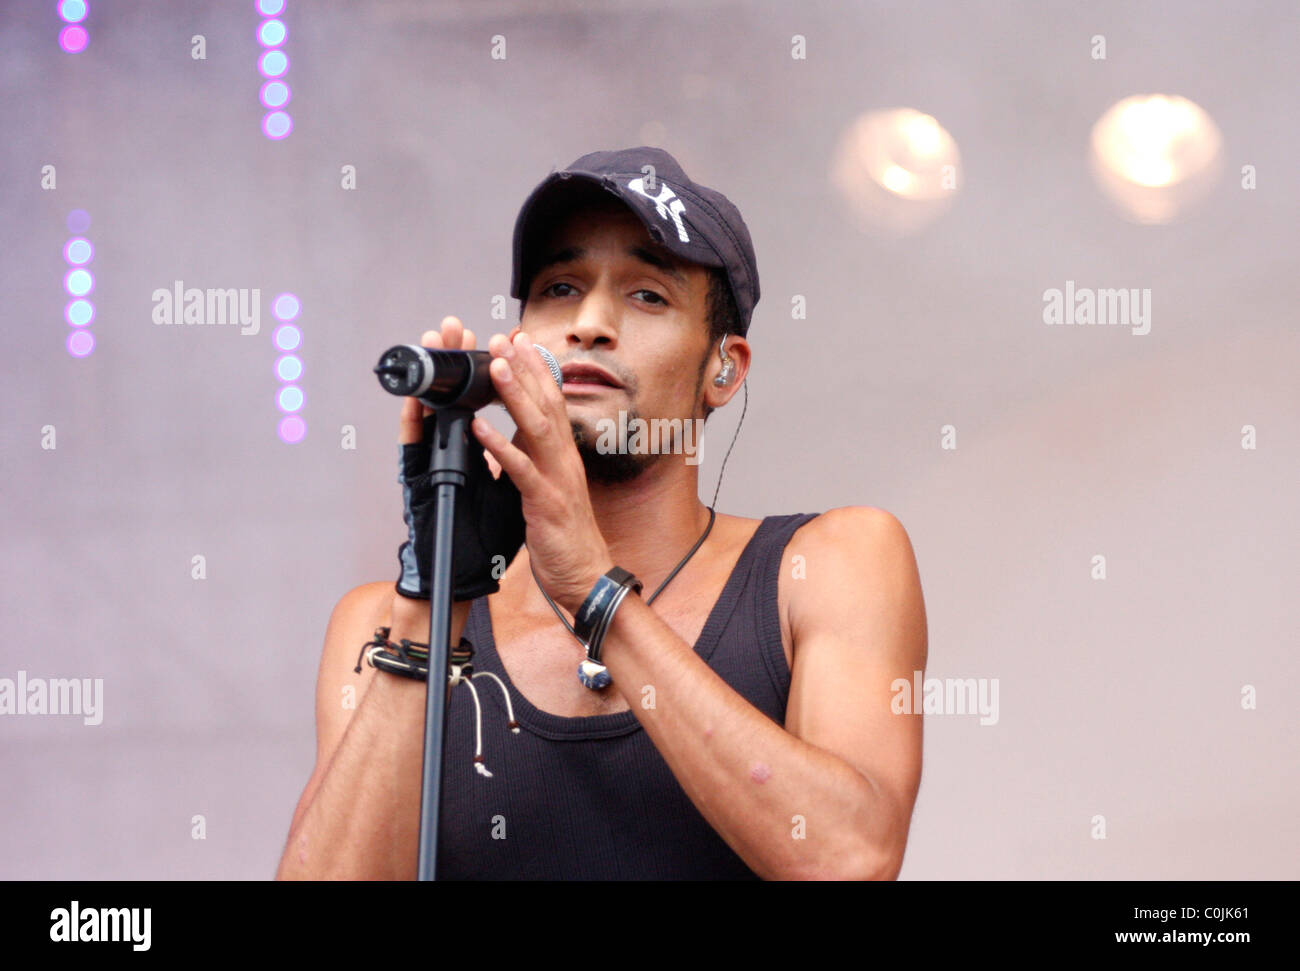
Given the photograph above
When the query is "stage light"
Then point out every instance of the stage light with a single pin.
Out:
(72, 11)
(73, 39)
(78, 282)
(273, 63)
(288, 337)
(897, 169)
(1155, 155)
(272, 33)
(277, 125)
(81, 343)
(292, 429)
(79, 312)
(78, 251)
(286, 307)
(274, 94)
(288, 367)
(289, 398)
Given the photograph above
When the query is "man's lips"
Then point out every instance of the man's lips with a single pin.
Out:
(587, 377)
(581, 387)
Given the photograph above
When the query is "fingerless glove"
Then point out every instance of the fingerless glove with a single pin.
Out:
(489, 522)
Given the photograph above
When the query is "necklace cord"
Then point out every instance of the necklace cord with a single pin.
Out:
(698, 543)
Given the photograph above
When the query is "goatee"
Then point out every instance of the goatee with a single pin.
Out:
(608, 468)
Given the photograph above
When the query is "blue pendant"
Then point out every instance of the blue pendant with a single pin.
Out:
(594, 676)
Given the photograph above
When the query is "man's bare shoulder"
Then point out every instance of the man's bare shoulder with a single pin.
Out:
(843, 550)
(849, 528)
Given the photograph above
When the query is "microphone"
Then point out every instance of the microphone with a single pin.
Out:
(445, 378)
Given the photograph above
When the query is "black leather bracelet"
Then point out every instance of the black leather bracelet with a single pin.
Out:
(593, 617)
(410, 659)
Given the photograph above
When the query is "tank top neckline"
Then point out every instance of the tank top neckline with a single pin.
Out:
(550, 725)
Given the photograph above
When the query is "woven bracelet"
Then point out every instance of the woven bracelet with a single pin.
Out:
(410, 659)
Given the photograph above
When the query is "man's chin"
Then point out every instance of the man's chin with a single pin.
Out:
(606, 468)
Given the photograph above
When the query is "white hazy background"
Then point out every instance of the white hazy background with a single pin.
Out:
(1119, 698)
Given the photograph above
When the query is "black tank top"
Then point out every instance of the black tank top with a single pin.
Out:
(591, 798)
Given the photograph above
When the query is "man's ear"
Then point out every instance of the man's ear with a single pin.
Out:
(737, 348)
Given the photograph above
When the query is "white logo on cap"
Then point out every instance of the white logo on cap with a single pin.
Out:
(666, 204)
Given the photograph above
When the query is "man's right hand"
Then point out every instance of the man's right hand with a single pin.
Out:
(489, 523)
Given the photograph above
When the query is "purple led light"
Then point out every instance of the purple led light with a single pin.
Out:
(292, 429)
(72, 11)
(79, 313)
(274, 94)
(273, 63)
(288, 337)
(81, 343)
(277, 125)
(272, 33)
(73, 39)
(286, 307)
(288, 367)
(78, 251)
(79, 282)
(270, 8)
(289, 398)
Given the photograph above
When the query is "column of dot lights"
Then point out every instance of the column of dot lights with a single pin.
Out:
(288, 367)
(73, 38)
(273, 65)
(78, 281)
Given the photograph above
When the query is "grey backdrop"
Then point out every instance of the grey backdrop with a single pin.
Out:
(1119, 698)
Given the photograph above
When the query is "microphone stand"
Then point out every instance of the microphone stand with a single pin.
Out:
(448, 463)
(408, 370)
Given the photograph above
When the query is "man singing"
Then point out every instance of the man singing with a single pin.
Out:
(682, 694)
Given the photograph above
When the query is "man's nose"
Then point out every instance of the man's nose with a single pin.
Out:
(596, 320)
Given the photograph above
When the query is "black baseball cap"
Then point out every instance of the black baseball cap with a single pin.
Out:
(694, 222)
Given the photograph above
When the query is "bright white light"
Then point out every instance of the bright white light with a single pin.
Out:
(897, 169)
(1155, 154)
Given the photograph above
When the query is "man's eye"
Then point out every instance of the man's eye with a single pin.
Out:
(654, 298)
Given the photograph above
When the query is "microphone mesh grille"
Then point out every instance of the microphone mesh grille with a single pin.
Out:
(551, 363)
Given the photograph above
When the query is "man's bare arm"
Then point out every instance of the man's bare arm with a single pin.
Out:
(358, 818)
(830, 794)
(858, 623)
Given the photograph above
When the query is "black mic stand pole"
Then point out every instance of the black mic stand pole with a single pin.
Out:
(447, 461)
